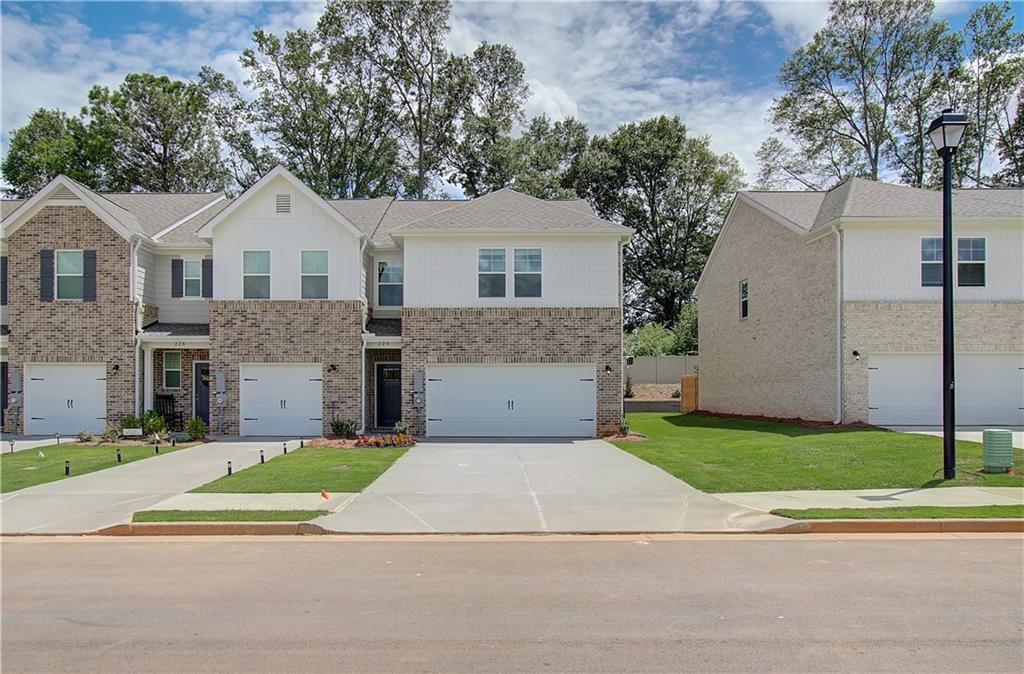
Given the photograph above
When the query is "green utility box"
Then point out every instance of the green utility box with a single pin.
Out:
(997, 450)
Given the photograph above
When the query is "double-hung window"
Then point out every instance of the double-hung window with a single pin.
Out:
(491, 272)
(743, 299)
(70, 274)
(172, 369)
(193, 273)
(314, 274)
(527, 270)
(931, 262)
(390, 277)
(256, 274)
(970, 259)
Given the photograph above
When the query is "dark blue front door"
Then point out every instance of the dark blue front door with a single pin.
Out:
(389, 394)
(201, 390)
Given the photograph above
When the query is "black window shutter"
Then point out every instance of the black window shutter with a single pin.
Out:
(177, 278)
(3, 283)
(46, 275)
(207, 277)
(88, 275)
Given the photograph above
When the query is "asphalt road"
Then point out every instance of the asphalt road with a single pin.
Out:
(318, 604)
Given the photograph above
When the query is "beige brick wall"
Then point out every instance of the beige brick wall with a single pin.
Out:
(780, 360)
(150, 314)
(515, 335)
(288, 331)
(72, 331)
(182, 395)
(916, 327)
(374, 356)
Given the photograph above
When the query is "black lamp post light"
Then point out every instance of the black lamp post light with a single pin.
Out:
(946, 132)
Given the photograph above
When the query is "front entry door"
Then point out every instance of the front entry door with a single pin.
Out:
(389, 394)
(201, 390)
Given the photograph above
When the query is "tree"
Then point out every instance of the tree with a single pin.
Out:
(51, 143)
(649, 339)
(1011, 148)
(546, 157)
(674, 191)
(684, 332)
(844, 87)
(160, 133)
(482, 157)
(404, 41)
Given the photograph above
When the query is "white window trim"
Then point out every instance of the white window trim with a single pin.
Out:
(184, 277)
(504, 273)
(269, 275)
(326, 275)
(57, 274)
(983, 263)
(378, 284)
(744, 301)
(178, 370)
(921, 262)
(531, 273)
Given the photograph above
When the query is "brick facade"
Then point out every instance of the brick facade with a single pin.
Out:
(515, 335)
(150, 314)
(374, 356)
(916, 327)
(780, 361)
(73, 331)
(288, 331)
(183, 394)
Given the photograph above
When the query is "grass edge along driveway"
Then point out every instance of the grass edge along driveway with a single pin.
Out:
(905, 512)
(227, 515)
(716, 454)
(24, 468)
(310, 469)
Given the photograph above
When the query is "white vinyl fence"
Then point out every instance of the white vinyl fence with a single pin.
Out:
(661, 369)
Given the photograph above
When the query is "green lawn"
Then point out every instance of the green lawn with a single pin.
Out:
(310, 470)
(904, 512)
(226, 515)
(730, 455)
(25, 469)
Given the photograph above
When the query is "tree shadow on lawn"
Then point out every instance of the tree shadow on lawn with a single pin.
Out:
(785, 428)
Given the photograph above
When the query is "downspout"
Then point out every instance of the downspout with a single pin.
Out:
(839, 324)
(362, 350)
(138, 325)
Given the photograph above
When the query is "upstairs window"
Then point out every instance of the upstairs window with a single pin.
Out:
(931, 262)
(172, 369)
(70, 274)
(314, 275)
(256, 274)
(970, 258)
(491, 272)
(527, 269)
(390, 275)
(193, 274)
(743, 299)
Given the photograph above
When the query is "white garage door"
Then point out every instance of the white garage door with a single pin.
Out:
(285, 400)
(907, 389)
(511, 400)
(65, 398)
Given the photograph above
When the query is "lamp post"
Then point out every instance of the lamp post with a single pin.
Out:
(945, 132)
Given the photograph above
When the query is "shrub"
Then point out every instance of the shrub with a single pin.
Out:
(401, 428)
(84, 436)
(675, 393)
(623, 426)
(196, 428)
(628, 393)
(111, 434)
(153, 423)
(130, 422)
(345, 428)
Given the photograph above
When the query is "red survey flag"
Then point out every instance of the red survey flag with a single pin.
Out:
(324, 495)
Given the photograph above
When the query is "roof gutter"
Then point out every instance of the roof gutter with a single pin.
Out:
(839, 323)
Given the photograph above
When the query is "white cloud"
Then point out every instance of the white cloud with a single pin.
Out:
(795, 21)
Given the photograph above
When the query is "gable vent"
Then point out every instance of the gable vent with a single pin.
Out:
(64, 193)
(284, 203)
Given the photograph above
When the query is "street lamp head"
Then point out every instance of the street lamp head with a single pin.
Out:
(947, 130)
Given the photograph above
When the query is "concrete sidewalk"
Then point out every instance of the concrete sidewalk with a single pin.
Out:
(85, 503)
(767, 501)
(279, 501)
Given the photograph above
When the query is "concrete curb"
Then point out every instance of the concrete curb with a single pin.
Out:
(905, 526)
(211, 529)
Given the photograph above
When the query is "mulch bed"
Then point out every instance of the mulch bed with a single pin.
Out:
(654, 392)
(629, 436)
(806, 423)
(331, 442)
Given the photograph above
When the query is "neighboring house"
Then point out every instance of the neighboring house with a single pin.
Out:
(827, 306)
(276, 312)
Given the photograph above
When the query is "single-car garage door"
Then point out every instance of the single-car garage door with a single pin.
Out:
(549, 400)
(907, 389)
(65, 398)
(283, 399)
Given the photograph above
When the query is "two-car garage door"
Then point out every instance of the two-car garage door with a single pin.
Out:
(487, 400)
(906, 389)
(284, 400)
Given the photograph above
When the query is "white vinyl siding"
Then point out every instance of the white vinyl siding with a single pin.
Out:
(173, 309)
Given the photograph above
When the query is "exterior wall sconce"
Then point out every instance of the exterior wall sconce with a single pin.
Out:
(607, 369)
(856, 355)
(116, 368)
(332, 368)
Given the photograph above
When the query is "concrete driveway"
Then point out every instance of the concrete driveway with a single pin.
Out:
(534, 486)
(85, 503)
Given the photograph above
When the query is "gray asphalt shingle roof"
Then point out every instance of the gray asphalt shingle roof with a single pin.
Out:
(177, 330)
(385, 327)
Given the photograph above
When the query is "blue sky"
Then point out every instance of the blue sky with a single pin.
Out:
(711, 63)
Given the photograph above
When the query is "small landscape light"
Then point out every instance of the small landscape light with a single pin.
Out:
(11, 442)
(262, 458)
(119, 455)
(67, 468)
(58, 438)
(174, 442)
(285, 446)
(229, 468)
